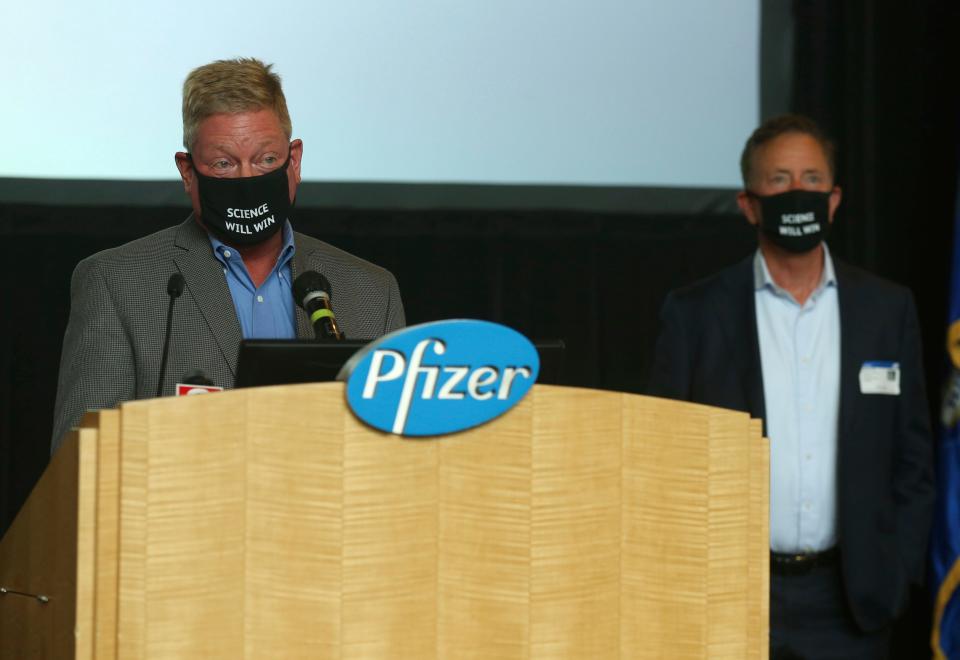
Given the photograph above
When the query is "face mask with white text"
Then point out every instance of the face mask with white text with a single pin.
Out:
(246, 210)
(796, 220)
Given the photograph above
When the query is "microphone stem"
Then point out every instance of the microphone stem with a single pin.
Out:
(166, 347)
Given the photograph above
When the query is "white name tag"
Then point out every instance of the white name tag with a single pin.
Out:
(880, 378)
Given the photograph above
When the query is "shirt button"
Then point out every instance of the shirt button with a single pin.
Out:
(259, 298)
(226, 253)
(808, 456)
(805, 360)
(806, 506)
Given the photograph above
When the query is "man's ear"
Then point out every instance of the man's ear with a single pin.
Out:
(296, 156)
(185, 166)
(747, 206)
(293, 168)
(835, 196)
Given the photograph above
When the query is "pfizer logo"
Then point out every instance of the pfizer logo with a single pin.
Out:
(441, 377)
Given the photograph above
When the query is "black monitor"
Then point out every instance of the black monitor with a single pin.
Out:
(288, 361)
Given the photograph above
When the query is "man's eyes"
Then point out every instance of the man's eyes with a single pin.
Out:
(783, 179)
(223, 164)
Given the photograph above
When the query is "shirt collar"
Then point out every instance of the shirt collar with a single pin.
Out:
(286, 252)
(762, 278)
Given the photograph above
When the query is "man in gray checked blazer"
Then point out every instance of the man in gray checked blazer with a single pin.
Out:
(235, 250)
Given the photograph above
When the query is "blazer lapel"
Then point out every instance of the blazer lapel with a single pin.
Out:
(851, 326)
(206, 284)
(299, 264)
(736, 314)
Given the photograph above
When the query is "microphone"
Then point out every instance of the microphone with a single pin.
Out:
(174, 289)
(311, 291)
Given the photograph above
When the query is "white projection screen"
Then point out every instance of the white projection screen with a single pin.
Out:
(610, 93)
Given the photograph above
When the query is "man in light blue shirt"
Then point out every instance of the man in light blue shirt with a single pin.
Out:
(235, 258)
(829, 357)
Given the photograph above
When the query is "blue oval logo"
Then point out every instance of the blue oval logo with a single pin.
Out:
(440, 377)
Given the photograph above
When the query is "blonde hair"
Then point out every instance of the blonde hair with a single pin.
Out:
(230, 86)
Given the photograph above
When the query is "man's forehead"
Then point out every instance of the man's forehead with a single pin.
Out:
(259, 128)
(792, 151)
(247, 141)
(793, 145)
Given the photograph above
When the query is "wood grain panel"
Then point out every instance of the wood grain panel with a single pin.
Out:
(484, 498)
(575, 536)
(665, 524)
(758, 603)
(294, 524)
(728, 527)
(85, 618)
(390, 545)
(132, 567)
(196, 521)
(107, 425)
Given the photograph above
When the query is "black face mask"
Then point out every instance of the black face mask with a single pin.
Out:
(796, 220)
(244, 211)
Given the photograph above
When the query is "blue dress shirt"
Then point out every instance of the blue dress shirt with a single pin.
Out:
(800, 361)
(267, 311)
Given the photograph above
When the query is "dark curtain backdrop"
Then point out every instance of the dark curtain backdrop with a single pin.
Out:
(881, 77)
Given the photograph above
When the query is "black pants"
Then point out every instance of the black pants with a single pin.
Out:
(810, 619)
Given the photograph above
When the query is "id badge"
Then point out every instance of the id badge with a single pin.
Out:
(878, 377)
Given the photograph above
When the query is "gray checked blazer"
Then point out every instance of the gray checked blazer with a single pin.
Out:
(118, 307)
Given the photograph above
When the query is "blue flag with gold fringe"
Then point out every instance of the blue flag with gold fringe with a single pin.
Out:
(945, 541)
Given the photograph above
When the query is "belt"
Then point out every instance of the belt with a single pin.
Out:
(801, 563)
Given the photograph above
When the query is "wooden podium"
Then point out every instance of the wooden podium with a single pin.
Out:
(271, 523)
